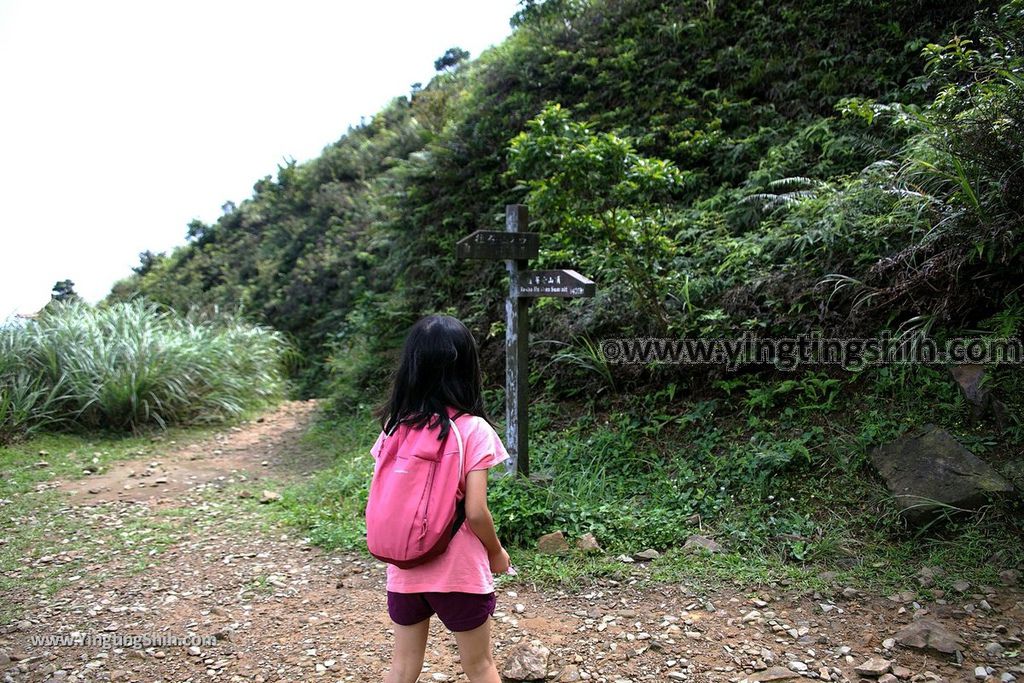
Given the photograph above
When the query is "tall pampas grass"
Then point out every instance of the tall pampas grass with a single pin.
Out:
(131, 365)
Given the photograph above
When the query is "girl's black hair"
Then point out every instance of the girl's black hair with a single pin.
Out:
(440, 367)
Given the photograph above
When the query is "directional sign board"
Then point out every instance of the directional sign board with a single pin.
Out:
(515, 246)
(495, 244)
(560, 283)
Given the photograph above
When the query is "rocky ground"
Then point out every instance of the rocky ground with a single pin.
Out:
(246, 601)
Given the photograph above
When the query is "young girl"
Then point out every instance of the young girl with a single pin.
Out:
(440, 371)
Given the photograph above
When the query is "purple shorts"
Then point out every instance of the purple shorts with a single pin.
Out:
(457, 611)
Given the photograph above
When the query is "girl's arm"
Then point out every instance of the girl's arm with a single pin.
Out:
(478, 515)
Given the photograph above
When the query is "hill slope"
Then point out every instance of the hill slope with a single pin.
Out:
(765, 146)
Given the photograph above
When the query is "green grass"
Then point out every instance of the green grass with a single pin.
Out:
(884, 566)
(70, 454)
(132, 365)
(781, 482)
(34, 522)
(31, 521)
(329, 509)
(41, 528)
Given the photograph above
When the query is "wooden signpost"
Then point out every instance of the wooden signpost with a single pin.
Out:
(566, 284)
(497, 245)
(515, 246)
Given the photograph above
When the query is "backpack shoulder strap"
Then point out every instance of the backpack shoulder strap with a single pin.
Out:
(462, 448)
(460, 505)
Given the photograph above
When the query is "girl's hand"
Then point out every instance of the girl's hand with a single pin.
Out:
(499, 562)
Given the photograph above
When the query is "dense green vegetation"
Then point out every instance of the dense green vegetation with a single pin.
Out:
(774, 168)
(788, 166)
(778, 483)
(131, 365)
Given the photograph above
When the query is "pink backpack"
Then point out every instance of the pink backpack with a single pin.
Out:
(411, 513)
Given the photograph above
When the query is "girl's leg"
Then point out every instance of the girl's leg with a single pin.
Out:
(475, 653)
(410, 646)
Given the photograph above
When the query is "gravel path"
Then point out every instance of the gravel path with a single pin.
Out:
(232, 598)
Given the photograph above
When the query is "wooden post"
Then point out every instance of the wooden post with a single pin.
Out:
(517, 341)
(515, 246)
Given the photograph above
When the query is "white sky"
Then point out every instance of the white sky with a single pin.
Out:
(122, 121)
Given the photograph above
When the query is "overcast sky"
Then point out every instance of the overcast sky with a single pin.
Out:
(122, 121)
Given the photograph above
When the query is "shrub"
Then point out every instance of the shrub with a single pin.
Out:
(131, 365)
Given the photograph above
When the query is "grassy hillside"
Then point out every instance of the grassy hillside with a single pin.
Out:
(719, 168)
(815, 152)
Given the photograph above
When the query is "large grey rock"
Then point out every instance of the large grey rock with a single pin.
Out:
(928, 634)
(553, 544)
(646, 555)
(927, 470)
(699, 544)
(875, 667)
(527, 662)
(588, 544)
(971, 380)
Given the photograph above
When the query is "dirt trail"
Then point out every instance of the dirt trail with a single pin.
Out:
(266, 445)
(281, 610)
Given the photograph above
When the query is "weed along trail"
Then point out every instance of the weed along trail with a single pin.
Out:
(174, 567)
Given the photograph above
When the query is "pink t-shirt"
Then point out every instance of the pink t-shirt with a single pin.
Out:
(463, 567)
